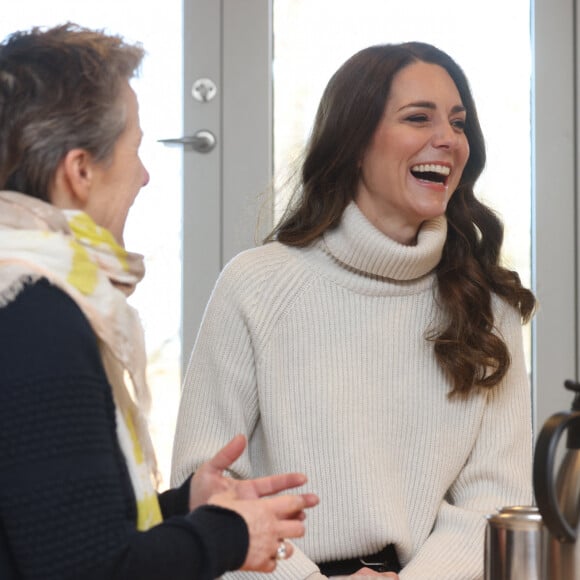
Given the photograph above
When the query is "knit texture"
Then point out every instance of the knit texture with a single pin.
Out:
(319, 356)
(67, 506)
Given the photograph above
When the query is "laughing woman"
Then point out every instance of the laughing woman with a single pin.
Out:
(375, 341)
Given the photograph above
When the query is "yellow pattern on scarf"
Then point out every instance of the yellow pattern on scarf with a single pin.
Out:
(84, 272)
(148, 510)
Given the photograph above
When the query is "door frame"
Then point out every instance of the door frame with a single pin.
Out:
(221, 208)
(555, 220)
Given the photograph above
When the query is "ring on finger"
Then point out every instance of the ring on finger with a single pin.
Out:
(282, 551)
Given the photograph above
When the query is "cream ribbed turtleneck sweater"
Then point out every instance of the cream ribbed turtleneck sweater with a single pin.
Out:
(319, 356)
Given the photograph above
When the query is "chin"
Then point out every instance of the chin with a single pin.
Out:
(432, 213)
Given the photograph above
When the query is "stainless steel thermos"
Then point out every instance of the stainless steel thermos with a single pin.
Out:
(514, 544)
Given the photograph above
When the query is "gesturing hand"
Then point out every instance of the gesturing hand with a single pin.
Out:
(209, 478)
(269, 520)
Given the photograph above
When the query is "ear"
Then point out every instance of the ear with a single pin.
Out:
(73, 179)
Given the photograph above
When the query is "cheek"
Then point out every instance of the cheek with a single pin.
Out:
(464, 153)
(461, 158)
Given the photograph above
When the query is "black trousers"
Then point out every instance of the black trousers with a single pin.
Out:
(386, 560)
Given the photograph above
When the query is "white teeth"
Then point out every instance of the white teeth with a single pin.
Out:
(432, 168)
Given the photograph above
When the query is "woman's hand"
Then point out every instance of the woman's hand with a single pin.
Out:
(210, 480)
(367, 573)
(269, 521)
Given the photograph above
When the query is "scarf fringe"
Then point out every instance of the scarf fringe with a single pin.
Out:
(10, 293)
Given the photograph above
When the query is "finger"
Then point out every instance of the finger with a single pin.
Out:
(276, 483)
(300, 502)
(301, 516)
(268, 565)
(285, 506)
(311, 500)
(228, 454)
(291, 529)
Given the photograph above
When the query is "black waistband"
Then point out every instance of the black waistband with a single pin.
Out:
(384, 561)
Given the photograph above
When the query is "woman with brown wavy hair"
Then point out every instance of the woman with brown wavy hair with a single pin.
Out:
(375, 342)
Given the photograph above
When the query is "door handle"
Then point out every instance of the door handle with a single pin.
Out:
(202, 141)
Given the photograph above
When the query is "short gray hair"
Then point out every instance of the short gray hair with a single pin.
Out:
(59, 90)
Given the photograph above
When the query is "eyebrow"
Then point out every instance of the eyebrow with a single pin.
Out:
(430, 105)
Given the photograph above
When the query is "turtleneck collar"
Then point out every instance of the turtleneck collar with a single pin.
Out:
(359, 245)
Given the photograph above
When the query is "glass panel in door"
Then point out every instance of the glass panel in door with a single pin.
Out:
(312, 38)
(154, 224)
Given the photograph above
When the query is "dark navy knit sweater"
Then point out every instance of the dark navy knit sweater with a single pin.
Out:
(67, 508)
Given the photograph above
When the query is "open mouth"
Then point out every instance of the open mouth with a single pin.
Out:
(431, 172)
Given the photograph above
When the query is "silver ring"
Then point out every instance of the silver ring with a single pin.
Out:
(281, 552)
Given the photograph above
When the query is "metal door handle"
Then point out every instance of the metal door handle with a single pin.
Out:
(202, 141)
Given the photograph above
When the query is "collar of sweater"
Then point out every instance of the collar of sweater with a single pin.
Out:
(357, 244)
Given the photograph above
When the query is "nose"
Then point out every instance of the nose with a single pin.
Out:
(446, 136)
(146, 177)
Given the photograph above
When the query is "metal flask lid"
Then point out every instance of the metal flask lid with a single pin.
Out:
(516, 518)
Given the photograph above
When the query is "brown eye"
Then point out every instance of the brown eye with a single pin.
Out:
(459, 124)
(417, 118)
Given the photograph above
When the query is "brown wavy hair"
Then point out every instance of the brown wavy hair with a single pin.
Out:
(469, 272)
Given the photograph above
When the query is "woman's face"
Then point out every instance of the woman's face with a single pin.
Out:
(117, 181)
(415, 159)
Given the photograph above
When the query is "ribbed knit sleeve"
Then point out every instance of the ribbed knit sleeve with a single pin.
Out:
(497, 473)
(220, 396)
(67, 509)
(319, 355)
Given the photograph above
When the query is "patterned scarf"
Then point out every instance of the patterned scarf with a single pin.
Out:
(84, 260)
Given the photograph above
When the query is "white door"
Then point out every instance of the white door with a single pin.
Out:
(228, 46)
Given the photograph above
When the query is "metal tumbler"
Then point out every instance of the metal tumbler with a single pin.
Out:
(515, 541)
